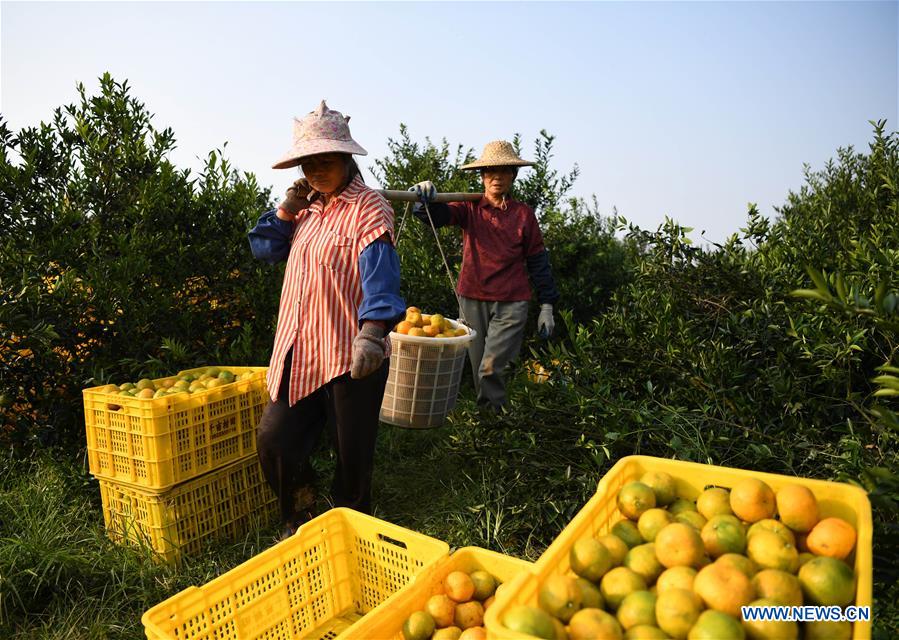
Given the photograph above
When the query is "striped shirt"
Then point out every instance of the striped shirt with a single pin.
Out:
(322, 291)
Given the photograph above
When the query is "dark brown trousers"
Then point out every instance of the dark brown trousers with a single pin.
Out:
(287, 436)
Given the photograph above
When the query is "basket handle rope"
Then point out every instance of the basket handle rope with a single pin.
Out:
(449, 273)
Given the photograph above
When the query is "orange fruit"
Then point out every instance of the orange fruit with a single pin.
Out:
(752, 500)
(447, 633)
(484, 584)
(417, 331)
(771, 551)
(474, 633)
(833, 538)
(592, 624)
(740, 563)
(645, 632)
(770, 629)
(822, 630)
(561, 633)
(827, 582)
(414, 318)
(797, 507)
(458, 586)
(628, 532)
(805, 556)
(723, 534)
(619, 582)
(431, 330)
(677, 611)
(634, 498)
(637, 608)
(681, 504)
(692, 518)
(775, 526)
(560, 596)
(642, 560)
(530, 621)
(714, 501)
(652, 521)
(591, 596)
(780, 586)
(442, 608)
(662, 484)
(403, 327)
(714, 625)
(418, 626)
(676, 578)
(469, 614)
(723, 588)
(679, 544)
(589, 559)
(616, 546)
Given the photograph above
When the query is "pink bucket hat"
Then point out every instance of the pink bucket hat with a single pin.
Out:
(321, 131)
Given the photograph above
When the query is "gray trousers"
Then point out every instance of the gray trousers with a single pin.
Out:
(500, 329)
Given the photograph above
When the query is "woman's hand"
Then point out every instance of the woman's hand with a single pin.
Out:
(295, 200)
(369, 350)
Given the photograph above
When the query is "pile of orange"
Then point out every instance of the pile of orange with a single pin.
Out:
(457, 611)
(426, 325)
(675, 568)
(188, 383)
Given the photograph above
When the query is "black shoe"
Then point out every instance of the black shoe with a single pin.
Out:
(290, 528)
(286, 531)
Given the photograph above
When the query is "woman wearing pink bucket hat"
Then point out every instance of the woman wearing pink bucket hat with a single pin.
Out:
(501, 248)
(340, 296)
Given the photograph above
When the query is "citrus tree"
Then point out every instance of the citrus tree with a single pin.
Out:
(116, 264)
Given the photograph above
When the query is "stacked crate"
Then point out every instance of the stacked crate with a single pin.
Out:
(179, 470)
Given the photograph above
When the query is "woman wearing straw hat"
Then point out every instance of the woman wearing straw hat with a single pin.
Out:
(340, 295)
(501, 246)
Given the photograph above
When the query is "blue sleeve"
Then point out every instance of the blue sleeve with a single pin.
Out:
(270, 238)
(542, 276)
(379, 266)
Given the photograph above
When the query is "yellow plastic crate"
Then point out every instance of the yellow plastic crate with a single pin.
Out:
(160, 442)
(386, 622)
(601, 512)
(221, 504)
(316, 584)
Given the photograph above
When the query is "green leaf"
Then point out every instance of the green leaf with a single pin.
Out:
(818, 278)
(888, 381)
(841, 287)
(880, 293)
(812, 294)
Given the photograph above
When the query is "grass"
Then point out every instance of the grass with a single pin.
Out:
(508, 483)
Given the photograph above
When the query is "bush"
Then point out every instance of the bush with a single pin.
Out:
(117, 265)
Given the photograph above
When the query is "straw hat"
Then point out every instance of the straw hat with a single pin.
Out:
(321, 131)
(498, 153)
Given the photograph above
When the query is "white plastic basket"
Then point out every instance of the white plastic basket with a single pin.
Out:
(423, 383)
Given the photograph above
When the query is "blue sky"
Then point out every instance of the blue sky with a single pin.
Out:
(689, 110)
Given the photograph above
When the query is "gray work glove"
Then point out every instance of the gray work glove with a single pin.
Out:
(425, 191)
(296, 198)
(369, 350)
(545, 323)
